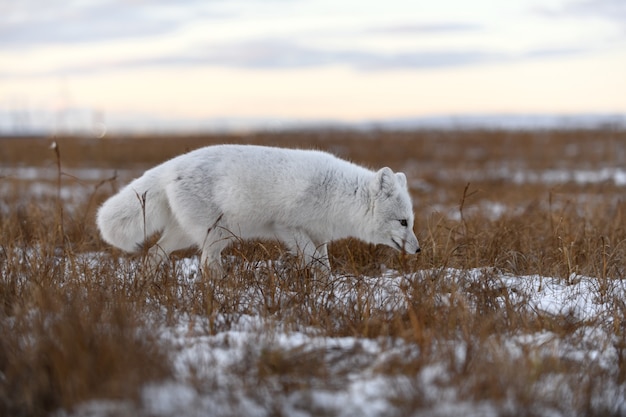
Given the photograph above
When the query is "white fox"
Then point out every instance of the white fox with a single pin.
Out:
(214, 195)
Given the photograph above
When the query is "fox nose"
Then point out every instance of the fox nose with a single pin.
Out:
(418, 250)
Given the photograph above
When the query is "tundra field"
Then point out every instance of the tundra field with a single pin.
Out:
(516, 305)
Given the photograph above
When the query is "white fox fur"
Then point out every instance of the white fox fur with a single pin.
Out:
(213, 195)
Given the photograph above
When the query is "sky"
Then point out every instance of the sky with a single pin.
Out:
(192, 64)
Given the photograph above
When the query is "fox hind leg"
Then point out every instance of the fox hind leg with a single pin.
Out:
(215, 241)
(172, 238)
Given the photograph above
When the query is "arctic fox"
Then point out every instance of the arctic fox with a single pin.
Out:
(214, 195)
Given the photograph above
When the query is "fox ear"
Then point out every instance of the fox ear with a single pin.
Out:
(384, 182)
(401, 179)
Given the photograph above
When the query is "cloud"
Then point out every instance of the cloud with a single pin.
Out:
(610, 10)
(272, 54)
(35, 23)
(278, 54)
(258, 47)
(553, 52)
(425, 28)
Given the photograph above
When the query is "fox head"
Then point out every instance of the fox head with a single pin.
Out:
(392, 211)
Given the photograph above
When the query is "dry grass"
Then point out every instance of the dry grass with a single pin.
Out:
(81, 321)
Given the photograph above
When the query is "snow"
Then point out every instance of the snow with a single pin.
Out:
(78, 185)
(614, 175)
(523, 175)
(205, 363)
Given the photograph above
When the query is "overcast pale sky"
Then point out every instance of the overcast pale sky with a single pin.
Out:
(139, 62)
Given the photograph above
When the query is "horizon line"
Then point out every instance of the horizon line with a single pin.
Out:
(221, 125)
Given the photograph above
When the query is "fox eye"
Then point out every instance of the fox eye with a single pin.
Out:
(404, 223)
